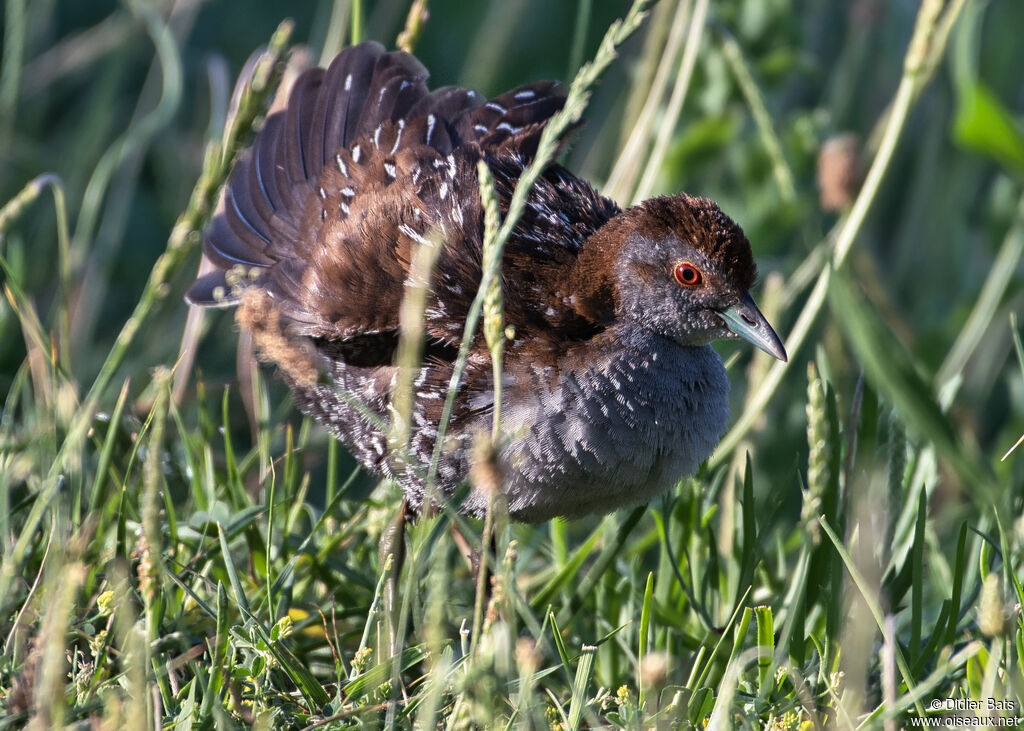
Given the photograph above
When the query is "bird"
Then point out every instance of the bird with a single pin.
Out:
(611, 389)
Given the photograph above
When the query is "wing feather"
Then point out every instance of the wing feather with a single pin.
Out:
(365, 163)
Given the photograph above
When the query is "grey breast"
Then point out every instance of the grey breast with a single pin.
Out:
(618, 431)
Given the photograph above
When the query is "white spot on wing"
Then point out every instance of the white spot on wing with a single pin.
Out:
(431, 120)
(398, 137)
(525, 94)
(389, 168)
(341, 165)
(348, 82)
(356, 153)
(414, 235)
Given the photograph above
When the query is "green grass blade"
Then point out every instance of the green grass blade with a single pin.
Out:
(917, 581)
(219, 656)
(765, 650)
(584, 673)
(644, 635)
(229, 566)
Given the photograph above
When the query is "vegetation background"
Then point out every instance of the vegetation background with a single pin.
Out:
(183, 549)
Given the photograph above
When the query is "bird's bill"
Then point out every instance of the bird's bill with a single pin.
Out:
(744, 319)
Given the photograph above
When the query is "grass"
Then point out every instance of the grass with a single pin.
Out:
(180, 548)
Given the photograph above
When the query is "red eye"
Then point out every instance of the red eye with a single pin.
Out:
(687, 274)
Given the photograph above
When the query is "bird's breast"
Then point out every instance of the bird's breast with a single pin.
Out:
(618, 428)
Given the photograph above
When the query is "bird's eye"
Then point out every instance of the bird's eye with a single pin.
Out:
(687, 274)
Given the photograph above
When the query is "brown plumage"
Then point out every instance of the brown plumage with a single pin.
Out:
(611, 391)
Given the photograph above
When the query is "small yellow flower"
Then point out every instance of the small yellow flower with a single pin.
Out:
(361, 659)
(97, 643)
(622, 695)
(105, 603)
(284, 627)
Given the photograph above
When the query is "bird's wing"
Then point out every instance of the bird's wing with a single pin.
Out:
(363, 164)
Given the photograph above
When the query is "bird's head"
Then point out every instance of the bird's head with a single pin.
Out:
(679, 267)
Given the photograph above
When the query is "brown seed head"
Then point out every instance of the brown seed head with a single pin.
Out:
(839, 171)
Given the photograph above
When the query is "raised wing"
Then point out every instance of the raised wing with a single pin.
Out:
(364, 163)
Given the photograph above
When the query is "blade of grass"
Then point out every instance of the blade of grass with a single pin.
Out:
(107, 453)
(999, 277)
(382, 672)
(139, 134)
(215, 683)
(917, 581)
(612, 550)
(571, 568)
(584, 673)
(748, 556)
(563, 654)
(644, 635)
(958, 569)
(229, 566)
(765, 650)
(622, 180)
(783, 173)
